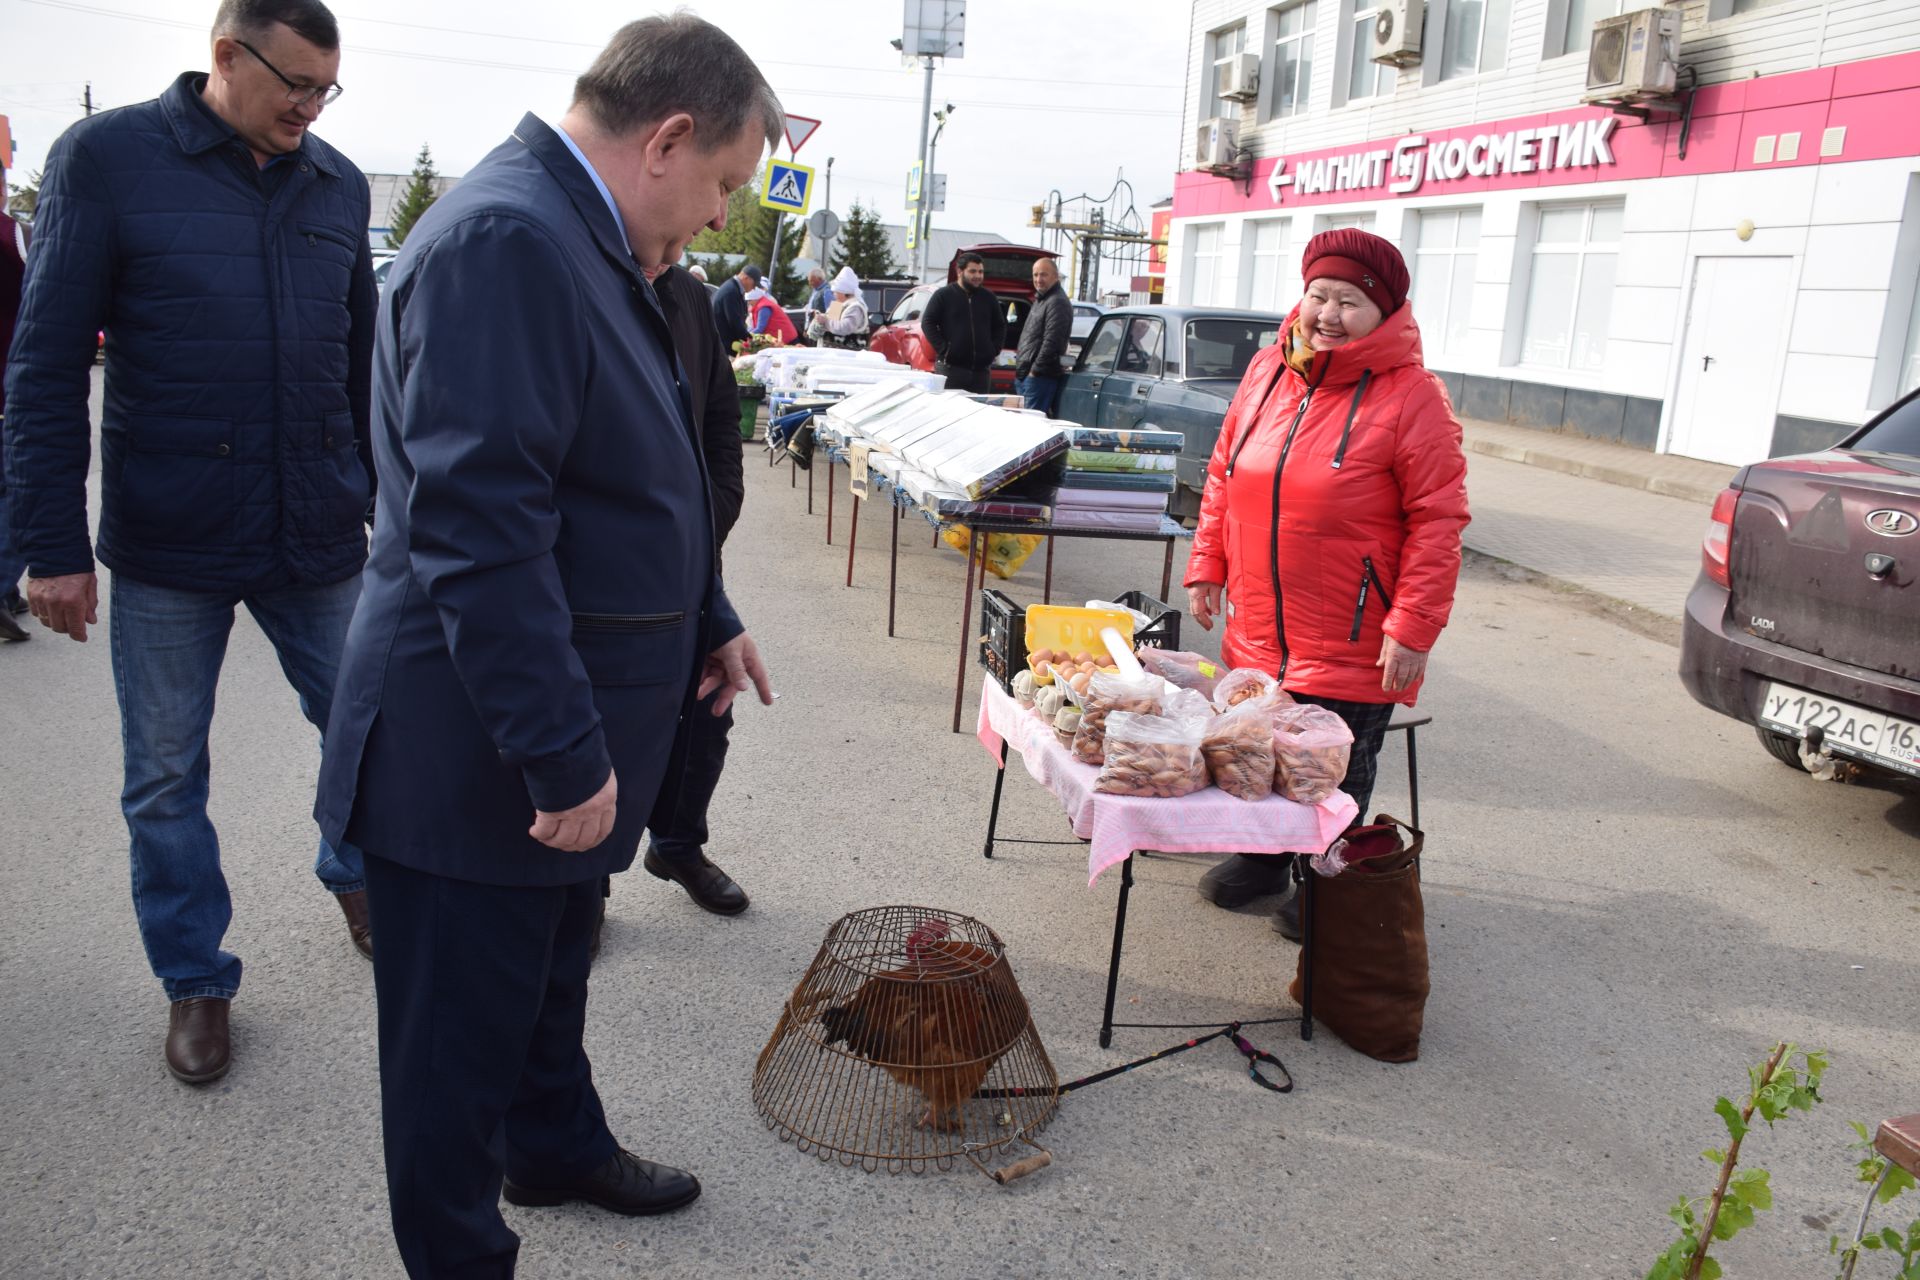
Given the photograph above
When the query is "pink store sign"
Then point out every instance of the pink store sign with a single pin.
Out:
(1857, 111)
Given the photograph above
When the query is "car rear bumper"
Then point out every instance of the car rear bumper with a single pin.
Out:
(1728, 669)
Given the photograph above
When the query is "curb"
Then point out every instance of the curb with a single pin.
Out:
(1665, 486)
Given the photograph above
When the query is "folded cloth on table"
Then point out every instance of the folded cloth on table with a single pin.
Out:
(1108, 500)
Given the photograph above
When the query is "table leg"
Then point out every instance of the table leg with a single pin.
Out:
(1046, 592)
(1166, 573)
(993, 815)
(853, 534)
(966, 623)
(1306, 946)
(793, 482)
(829, 501)
(809, 490)
(1119, 938)
(893, 568)
(1413, 778)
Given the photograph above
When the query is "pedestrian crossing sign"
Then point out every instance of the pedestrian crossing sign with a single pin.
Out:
(787, 186)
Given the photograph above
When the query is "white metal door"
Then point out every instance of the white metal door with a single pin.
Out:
(1730, 359)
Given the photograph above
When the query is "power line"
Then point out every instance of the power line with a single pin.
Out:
(496, 65)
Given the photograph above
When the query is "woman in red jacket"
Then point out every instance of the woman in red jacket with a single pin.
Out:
(1331, 516)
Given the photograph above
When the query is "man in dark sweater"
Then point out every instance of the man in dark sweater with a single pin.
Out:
(677, 831)
(966, 325)
(729, 303)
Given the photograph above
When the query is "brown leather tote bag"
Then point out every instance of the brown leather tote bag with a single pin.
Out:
(1366, 934)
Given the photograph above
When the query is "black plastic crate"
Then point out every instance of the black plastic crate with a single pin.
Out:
(1163, 632)
(1003, 637)
(1003, 631)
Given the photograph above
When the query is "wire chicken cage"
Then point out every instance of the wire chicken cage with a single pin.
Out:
(908, 1045)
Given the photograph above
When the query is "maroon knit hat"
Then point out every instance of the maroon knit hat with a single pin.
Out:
(1366, 261)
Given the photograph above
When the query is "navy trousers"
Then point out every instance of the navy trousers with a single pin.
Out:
(677, 827)
(483, 1070)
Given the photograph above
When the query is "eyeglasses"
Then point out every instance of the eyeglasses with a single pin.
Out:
(298, 94)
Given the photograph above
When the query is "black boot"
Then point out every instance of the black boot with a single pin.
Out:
(1239, 879)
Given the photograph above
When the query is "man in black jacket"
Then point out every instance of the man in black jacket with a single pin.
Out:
(730, 307)
(1043, 340)
(967, 326)
(677, 830)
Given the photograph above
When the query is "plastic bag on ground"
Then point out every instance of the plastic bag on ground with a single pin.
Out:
(1238, 748)
(1105, 695)
(1185, 670)
(1148, 755)
(1311, 748)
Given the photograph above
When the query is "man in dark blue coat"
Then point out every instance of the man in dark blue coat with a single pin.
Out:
(541, 612)
(224, 251)
(730, 307)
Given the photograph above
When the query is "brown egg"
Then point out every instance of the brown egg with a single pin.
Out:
(1080, 682)
(1083, 657)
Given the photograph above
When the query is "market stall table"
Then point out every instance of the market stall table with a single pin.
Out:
(1115, 828)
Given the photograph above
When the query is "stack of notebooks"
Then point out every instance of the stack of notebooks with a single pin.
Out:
(1117, 479)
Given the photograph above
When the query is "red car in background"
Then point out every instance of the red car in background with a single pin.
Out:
(897, 336)
(1805, 621)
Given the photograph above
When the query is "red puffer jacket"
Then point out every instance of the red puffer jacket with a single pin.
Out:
(1332, 513)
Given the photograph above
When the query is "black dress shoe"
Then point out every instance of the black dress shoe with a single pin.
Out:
(705, 883)
(10, 629)
(624, 1184)
(15, 602)
(199, 1047)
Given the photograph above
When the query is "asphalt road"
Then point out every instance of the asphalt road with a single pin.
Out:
(1628, 901)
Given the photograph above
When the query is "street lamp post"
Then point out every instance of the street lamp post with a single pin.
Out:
(925, 211)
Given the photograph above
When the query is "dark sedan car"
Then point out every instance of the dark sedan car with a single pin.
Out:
(1805, 622)
(1175, 368)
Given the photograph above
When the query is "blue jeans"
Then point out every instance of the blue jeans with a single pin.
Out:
(167, 647)
(1039, 393)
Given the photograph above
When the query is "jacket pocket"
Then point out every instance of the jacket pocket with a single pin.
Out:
(177, 481)
(633, 648)
(1369, 584)
(338, 484)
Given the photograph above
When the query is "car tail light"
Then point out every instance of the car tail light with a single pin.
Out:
(1716, 549)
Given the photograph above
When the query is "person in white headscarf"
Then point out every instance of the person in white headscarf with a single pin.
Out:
(845, 322)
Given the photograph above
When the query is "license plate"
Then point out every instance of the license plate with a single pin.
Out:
(1850, 730)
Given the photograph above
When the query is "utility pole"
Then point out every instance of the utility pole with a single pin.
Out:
(926, 177)
(926, 118)
(87, 101)
(827, 203)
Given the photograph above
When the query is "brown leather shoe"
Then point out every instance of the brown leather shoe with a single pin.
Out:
(359, 926)
(199, 1049)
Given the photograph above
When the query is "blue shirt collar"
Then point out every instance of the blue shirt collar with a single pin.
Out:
(599, 186)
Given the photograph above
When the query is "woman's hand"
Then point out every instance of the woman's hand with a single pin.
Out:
(1203, 603)
(1401, 667)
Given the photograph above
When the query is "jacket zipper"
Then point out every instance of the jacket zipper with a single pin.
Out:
(627, 622)
(1369, 580)
(1353, 411)
(1273, 531)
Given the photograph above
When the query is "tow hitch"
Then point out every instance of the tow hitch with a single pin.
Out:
(1818, 759)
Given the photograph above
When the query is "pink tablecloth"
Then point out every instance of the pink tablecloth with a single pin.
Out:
(1209, 821)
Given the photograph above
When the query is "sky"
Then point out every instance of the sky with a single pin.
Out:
(1049, 95)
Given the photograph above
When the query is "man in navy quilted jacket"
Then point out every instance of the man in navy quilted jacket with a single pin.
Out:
(224, 252)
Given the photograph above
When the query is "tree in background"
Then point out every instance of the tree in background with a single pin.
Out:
(863, 245)
(416, 200)
(24, 197)
(748, 237)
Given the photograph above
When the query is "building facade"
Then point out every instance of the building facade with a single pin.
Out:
(1731, 277)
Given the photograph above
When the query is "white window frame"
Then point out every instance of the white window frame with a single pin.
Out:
(1204, 265)
(1909, 372)
(1270, 264)
(1218, 52)
(1444, 35)
(1302, 43)
(1434, 329)
(1336, 221)
(1582, 250)
(1565, 38)
(1357, 15)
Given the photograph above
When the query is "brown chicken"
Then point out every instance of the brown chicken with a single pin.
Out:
(937, 1025)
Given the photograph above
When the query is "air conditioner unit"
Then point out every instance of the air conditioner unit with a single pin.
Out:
(1240, 77)
(1634, 56)
(1397, 28)
(1216, 145)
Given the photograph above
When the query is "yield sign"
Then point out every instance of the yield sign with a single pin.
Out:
(799, 129)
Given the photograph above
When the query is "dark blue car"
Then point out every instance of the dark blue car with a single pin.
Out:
(1175, 368)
